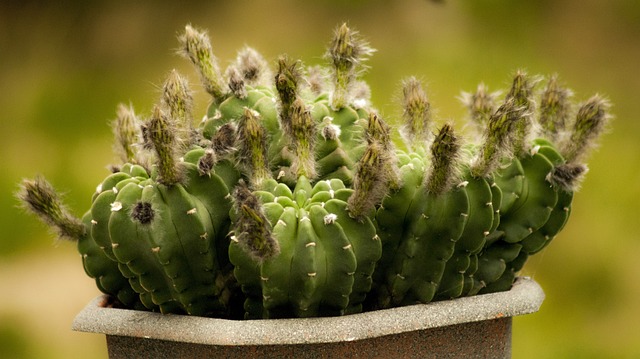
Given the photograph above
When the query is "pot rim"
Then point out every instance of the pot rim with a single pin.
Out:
(526, 296)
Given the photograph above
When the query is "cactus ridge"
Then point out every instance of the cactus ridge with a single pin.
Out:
(291, 198)
(326, 257)
(472, 239)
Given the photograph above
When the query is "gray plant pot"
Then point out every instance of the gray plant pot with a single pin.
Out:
(472, 327)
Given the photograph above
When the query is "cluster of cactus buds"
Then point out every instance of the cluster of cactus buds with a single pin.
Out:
(289, 198)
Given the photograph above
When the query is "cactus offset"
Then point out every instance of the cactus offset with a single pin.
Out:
(290, 199)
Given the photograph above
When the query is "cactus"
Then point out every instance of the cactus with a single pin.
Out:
(290, 199)
(325, 257)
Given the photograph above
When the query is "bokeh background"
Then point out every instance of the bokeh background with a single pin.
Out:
(64, 66)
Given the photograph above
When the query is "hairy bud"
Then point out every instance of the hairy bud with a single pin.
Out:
(554, 109)
(253, 68)
(126, 130)
(236, 83)
(567, 176)
(521, 94)
(590, 122)
(498, 139)
(223, 142)
(347, 53)
(196, 46)
(416, 112)
(161, 133)
(370, 181)
(252, 147)
(252, 229)
(178, 103)
(287, 80)
(302, 136)
(39, 197)
(444, 172)
(481, 104)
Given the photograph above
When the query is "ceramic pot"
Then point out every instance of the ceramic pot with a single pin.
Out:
(471, 327)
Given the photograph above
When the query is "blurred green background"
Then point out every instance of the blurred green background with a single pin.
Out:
(63, 69)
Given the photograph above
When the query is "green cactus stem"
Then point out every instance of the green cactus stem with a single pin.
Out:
(347, 51)
(564, 176)
(326, 258)
(169, 253)
(393, 219)
(492, 264)
(439, 215)
(533, 207)
(458, 272)
(540, 238)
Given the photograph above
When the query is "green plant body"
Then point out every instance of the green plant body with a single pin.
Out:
(289, 199)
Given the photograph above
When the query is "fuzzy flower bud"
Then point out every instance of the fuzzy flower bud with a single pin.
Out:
(303, 136)
(591, 121)
(416, 112)
(251, 228)
(444, 171)
(521, 94)
(554, 109)
(39, 197)
(370, 181)
(380, 132)
(317, 79)
(567, 176)
(498, 140)
(236, 83)
(252, 148)
(161, 134)
(178, 103)
(253, 68)
(347, 52)
(126, 131)
(480, 104)
(223, 141)
(287, 80)
(196, 46)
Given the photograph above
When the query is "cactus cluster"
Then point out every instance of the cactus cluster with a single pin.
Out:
(289, 198)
